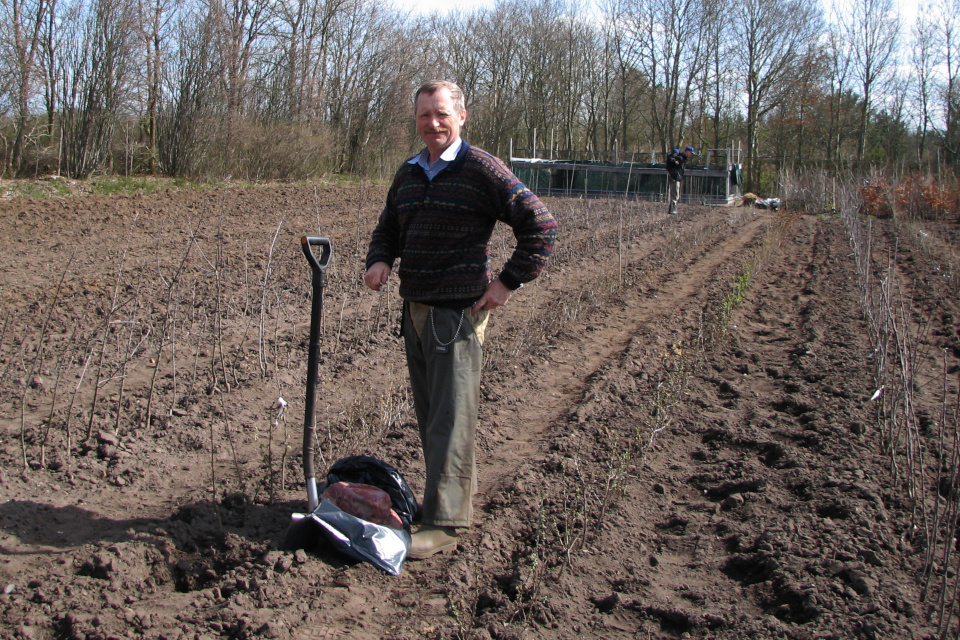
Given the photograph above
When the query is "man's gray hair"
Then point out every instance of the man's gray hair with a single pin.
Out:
(456, 93)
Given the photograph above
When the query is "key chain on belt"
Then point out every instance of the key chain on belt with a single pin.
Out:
(441, 347)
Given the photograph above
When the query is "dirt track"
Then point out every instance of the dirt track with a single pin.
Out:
(659, 456)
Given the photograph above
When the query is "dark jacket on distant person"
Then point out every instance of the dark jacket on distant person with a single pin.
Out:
(676, 163)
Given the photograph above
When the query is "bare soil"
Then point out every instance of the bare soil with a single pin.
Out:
(677, 434)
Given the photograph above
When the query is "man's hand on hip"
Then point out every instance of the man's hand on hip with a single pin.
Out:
(495, 296)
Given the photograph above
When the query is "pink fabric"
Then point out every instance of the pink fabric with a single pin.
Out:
(364, 501)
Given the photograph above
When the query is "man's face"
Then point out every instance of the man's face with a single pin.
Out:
(438, 122)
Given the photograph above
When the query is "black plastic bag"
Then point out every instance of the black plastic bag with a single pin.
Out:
(384, 547)
(376, 473)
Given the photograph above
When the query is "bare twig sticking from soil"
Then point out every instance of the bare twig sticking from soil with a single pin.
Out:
(263, 300)
(171, 304)
(61, 366)
(37, 359)
(899, 333)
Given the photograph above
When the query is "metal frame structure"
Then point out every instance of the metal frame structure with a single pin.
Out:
(717, 181)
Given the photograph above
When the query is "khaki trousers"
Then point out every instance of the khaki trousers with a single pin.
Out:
(674, 194)
(444, 359)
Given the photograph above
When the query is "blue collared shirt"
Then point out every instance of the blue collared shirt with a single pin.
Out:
(449, 155)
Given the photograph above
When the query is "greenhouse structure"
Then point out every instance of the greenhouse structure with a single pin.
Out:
(712, 179)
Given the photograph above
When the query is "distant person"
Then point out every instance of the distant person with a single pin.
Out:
(440, 213)
(676, 164)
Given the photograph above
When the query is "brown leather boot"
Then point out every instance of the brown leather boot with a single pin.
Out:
(430, 540)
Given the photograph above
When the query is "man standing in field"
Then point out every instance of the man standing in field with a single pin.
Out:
(676, 164)
(439, 216)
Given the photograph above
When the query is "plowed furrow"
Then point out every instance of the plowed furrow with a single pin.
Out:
(581, 351)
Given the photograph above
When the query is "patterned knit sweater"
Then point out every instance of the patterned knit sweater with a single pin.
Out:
(440, 229)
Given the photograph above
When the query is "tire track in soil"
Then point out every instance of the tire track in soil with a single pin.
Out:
(712, 469)
(771, 516)
(561, 380)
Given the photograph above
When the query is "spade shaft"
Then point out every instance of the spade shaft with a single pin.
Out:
(319, 268)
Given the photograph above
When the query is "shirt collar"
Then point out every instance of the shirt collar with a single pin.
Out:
(449, 154)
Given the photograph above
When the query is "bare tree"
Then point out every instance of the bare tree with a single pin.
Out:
(96, 70)
(192, 97)
(888, 131)
(7, 75)
(622, 86)
(949, 31)
(839, 80)
(496, 109)
(539, 61)
(599, 93)
(25, 20)
(873, 32)
(240, 26)
(51, 40)
(463, 59)
(925, 57)
(552, 64)
(578, 42)
(773, 39)
(284, 88)
(381, 114)
(295, 70)
(369, 78)
(719, 90)
(793, 125)
(154, 19)
(669, 47)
